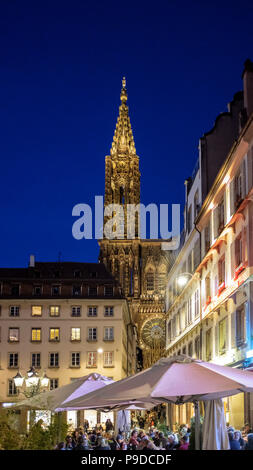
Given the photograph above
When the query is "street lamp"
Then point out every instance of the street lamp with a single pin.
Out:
(183, 278)
(32, 381)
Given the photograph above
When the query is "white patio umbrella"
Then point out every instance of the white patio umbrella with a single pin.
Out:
(55, 399)
(215, 436)
(178, 379)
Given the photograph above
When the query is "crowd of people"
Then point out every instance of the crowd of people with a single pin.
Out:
(98, 439)
(240, 440)
(103, 438)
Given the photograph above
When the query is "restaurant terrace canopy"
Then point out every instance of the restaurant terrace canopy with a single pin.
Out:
(178, 379)
(57, 397)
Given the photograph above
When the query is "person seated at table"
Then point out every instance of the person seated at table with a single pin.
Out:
(101, 444)
(75, 435)
(81, 445)
(247, 429)
(238, 437)
(114, 444)
(93, 436)
(156, 438)
(141, 435)
(172, 444)
(133, 441)
(249, 444)
(234, 444)
(147, 444)
(69, 444)
(184, 443)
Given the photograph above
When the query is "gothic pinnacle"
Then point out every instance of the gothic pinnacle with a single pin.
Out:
(123, 141)
(123, 94)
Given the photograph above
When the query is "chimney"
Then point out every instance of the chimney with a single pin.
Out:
(248, 86)
(32, 261)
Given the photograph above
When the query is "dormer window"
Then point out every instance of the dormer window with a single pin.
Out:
(93, 274)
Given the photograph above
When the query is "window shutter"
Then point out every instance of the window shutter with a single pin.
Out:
(244, 244)
(217, 339)
(233, 329)
(215, 221)
(243, 173)
(245, 322)
(204, 344)
(227, 335)
(225, 207)
(211, 345)
(216, 284)
(232, 197)
(232, 259)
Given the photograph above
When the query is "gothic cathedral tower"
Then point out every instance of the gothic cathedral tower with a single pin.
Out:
(139, 265)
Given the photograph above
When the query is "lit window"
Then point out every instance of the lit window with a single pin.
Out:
(13, 335)
(54, 311)
(109, 334)
(109, 311)
(108, 358)
(54, 334)
(221, 270)
(75, 359)
(92, 311)
(222, 336)
(36, 334)
(14, 311)
(36, 310)
(75, 334)
(240, 326)
(92, 359)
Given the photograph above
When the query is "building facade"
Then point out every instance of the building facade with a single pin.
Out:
(65, 319)
(209, 295)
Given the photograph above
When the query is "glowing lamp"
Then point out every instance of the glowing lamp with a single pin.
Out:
(100, 350)
(18, 380)
(32, 380)
(182, 280)
(44, 380)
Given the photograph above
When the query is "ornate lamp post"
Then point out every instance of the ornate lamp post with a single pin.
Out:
(32, 383)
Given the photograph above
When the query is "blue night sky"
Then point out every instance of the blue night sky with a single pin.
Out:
(61, 68)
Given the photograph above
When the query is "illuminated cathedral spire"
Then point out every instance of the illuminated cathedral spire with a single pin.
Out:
(123, 141)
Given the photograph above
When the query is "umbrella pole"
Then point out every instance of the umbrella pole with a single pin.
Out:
(197, 425)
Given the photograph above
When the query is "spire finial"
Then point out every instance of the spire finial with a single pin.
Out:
(123, 94)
